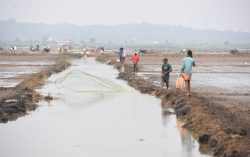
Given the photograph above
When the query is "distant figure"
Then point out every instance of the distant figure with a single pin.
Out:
(165, 70)
(84, 52)
(70, 47)
(46, 49)
(31, 48)
(37, 47)
(101, 50)
(186, 70)
(13, 49)
(121, 55)
(135, 59)
(234, 51)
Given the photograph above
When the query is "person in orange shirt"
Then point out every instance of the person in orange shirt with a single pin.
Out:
(135, 59)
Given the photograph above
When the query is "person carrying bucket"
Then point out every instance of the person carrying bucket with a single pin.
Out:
(186, 70)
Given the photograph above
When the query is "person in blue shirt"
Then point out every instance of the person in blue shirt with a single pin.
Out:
(186, 70)
(165, 70)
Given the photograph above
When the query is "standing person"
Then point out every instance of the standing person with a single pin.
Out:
(37, 47)
(31, 48)
(84, 53)
(124, 55)
(186, 70)
(121, 55)
(135, 59)
(165, 70)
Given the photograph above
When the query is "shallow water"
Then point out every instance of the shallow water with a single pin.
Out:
(9, 82)
(208, 79)
(95, 115)
(13, 72)
(11, 75)
(30, 63)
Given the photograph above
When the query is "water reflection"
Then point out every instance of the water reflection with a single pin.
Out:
(187, 140)
(182, 139)
(122, 68)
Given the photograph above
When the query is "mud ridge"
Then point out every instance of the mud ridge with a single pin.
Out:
(222, 132)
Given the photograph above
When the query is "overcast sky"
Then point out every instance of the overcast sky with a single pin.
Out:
(203, 14)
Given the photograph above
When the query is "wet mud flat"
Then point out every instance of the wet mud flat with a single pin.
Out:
(216, 117)
(20, 75)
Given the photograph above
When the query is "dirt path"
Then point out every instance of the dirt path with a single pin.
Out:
(219, 121)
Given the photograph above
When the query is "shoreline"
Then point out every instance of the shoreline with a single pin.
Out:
(209, 121)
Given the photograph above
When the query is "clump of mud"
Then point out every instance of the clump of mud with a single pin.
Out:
(16, 104)
(48, 97)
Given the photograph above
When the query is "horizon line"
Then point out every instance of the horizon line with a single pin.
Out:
(139, 23)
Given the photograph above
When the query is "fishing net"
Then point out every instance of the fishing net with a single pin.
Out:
(79, 81)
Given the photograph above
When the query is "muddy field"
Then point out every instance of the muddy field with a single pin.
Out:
(20, 75)
(222, 76)
(218, 111)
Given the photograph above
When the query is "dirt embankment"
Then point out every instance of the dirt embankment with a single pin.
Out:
(217, 127)
(16, 101)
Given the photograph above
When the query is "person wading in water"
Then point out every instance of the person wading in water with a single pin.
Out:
(186, 70)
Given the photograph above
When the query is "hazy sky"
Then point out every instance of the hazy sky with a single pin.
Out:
(203, 14)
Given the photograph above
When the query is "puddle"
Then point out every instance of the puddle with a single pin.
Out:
(96, 115)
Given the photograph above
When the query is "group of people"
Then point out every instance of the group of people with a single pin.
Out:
(186, 68)
(135, 59)
(186, 71)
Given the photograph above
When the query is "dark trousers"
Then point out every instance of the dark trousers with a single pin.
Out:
(165, 79)
(135, 68)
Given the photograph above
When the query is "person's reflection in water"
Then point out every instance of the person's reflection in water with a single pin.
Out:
(122, 69)
(187, 141)
(164, 114)
(165, 118)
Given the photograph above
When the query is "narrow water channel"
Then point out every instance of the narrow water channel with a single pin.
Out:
(95, 115)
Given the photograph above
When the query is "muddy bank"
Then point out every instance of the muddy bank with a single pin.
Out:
(219, 128)
(17, 101)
